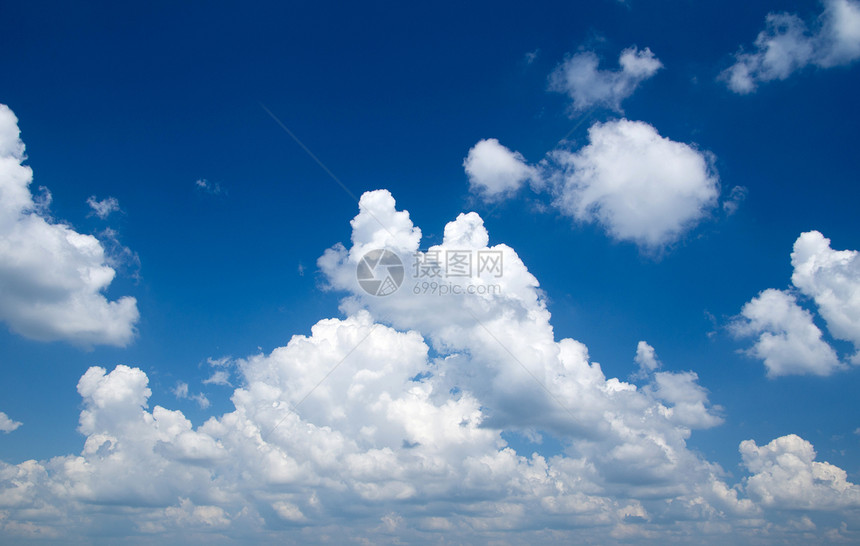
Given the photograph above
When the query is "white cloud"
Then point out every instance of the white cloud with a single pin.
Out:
(7, 425)
(638, 185)
(788, 342)
(646, 357)
(787, 45)
(494, 170)
(587, 86)
(181, 392)
(786, 476)
(360, 430)
(52, 278)
(832, 279)
(103, 208)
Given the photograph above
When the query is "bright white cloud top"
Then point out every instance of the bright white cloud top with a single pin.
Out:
(789, 342)
(639, 186)
(360, 430)
(579, 77)
(787, 45)
(52, 278)
(832, 279)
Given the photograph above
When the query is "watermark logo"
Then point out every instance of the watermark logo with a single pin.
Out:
(380, 272)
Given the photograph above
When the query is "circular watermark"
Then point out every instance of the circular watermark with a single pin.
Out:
(380, 272)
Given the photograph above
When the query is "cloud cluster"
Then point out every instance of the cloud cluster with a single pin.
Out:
(787, 45)
(388, 425)
(639, 186)
(587, 86)
(788, 340)
(52, 278)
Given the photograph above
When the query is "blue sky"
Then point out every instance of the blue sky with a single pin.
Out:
(674, 173)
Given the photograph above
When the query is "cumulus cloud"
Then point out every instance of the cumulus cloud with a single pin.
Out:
(787, 45)
(580, 78)
(786, 476)
(7, 425)
(788, 341)
(494, 170)
(832, 279)
(52, 278)
(639, 186)
(103, 208)
(388, 425)
(646, 359)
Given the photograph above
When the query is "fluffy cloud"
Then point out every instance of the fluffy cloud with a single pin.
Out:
(787, 45)
(587, 86)
(6, 424)
(786, 476)
(832, 279)
(788, 342)
(387, 425)
(646, 357)
(495, 170)
(638, 185)
(52, 278)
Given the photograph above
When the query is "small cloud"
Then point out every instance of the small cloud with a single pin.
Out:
(102, 208)
(646, 358)
(532, 56)
(495, 171)
(587, 86)
(736, 197)
(219, 376)
(7, 425)
(181, 392)
(212, 188)
(301, 270)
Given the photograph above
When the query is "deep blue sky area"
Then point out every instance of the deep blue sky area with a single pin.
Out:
(139, 101)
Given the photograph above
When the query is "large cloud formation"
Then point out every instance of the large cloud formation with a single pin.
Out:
(787, 45)
(389, 426)
(52, 278)
(789, 342)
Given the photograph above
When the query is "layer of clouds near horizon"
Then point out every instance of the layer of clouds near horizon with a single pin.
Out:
(52, 278)
(787, 45)
(638, 185)
(587, 86)
(359, 427)
(788, 341)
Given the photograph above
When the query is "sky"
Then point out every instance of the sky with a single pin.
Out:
(452, 273)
